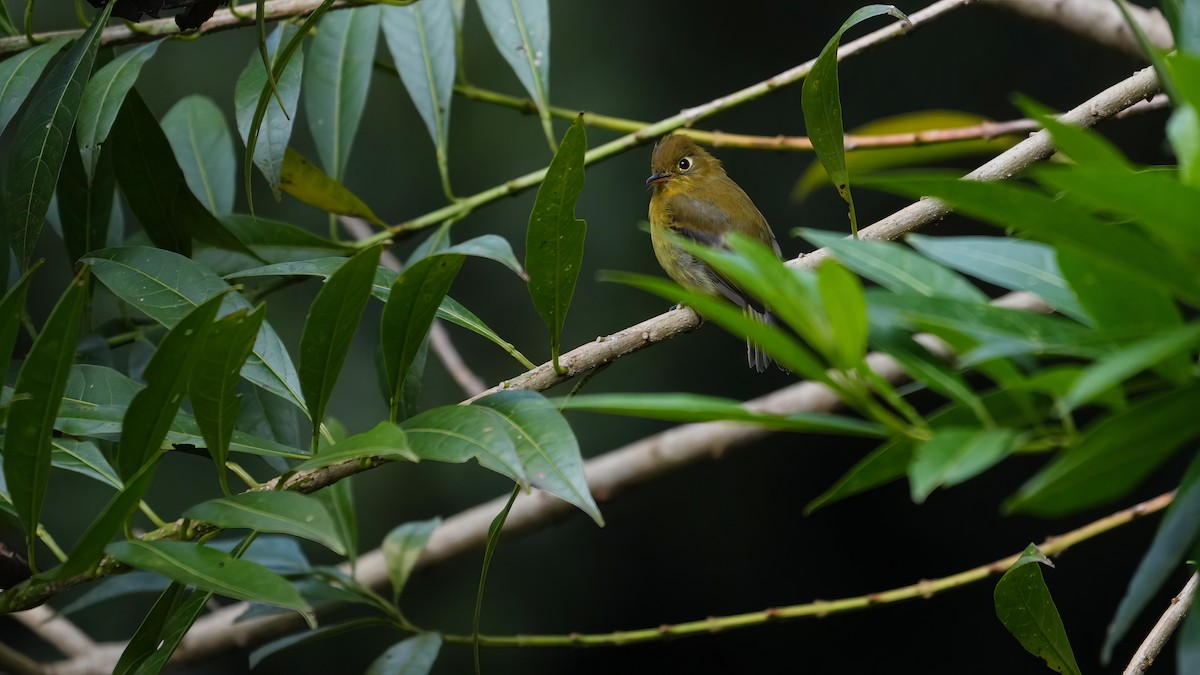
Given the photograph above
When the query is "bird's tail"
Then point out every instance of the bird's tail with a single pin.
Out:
(755, 356)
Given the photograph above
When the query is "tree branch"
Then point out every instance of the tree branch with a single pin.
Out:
(1162, 631)
(1097, 20)
(57, 630)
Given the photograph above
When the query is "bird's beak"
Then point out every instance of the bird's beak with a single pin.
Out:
(656, 178)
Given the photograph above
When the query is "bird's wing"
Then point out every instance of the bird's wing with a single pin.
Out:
(704, 223)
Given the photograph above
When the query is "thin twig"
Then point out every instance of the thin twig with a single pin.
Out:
(1162, 631)
(57, 630)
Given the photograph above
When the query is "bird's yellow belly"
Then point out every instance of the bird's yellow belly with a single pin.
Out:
(683, 268)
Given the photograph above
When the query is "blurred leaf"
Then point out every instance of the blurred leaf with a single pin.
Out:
(555, 237)
(153, 409)
(329, 328)
(414, 656)
(421, 38)
(336, 82)
(296, 639)
(521, 31)
(272, 239)
(104, 590)
(37, 393)
(821, 102)
(1183, 127)
(85, 207)
(846, 308)
(211, 570)
(212, 388)
(301, 179)
(1152, 53)
(954, 455)
(203, 147)
(401, 548)
(456, 433)
(20, 72)
(102, 99)
(148, 635)
(12, 308)
(275, 128)
(1177, 535)
(546, 445)
(278, 511)
(1024, 606)
(1057, 222)
(166, 286)
(385, 440)
(866, 161)
(1187, 644)
(1086, 147)
(41, 142)
(696, 408)
(1014, 264)
(929, 369)
(83, 458)
(339, 501)
(1113, 457)
(1113, 369)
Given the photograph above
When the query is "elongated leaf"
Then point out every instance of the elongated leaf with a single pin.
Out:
(546, 446)
(273, 511)
(456, 433)
(414, 656)
(1176, 538)
(821, 101)
(521, 31)
(1083, 146)
(696, 408)
(149, 633)
(1113, 457)
(172, 632)
(214, 378)
(1024, 606)
(846, 308)
(83, 458)
(929, 369)
(19, 73)
(275, 129)
(554, 239)
(401, 548)
(296, 639)
(153, 409)
(41, 142)
(102, 99)
(301, 179)
(954, 455)
(211, 570)
(1187, 644)
(1015, 264)
(39, 388)
(421, 38)
(85, 207)
(1115, 368)
(329, 328)
(166, 286)
(203, 147)
(274, 240)
(338, 499)
(336, 82)
(385, 440)
(12, 308)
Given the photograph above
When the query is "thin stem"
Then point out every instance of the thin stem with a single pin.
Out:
(492, 541)
(243, 474)
(822, 608)
(48, 540)
(1162, 631)
(149, 513)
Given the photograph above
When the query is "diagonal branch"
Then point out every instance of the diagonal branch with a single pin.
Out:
(1162, 631)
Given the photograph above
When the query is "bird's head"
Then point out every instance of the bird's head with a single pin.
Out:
(679, 164)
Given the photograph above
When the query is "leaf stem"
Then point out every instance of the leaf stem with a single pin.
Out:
(493, 539)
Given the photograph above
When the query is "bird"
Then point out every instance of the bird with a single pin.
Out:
(695, 199)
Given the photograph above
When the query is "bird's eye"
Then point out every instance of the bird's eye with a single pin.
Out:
(685, 164)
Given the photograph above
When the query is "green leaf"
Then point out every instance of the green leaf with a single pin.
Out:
(421, 38)
(866, 161)
(1183, 127)
(1152, 53)
(1113, 369)
(339, 501)
(546, 445)
(19, 73)
(414, 656)
(153, 409)
(148, 636)
(211, 570)
(301, 179)
(203, 147)
(275, 128)
(102, 99)
(336, 82)
(1085, 146)
(1014, 264)
(954, 455)
(85, 207)
(213, 384)
(821, 102)
(385, 440)
(696, 408)
(12, 308)
(329, 328)
(277, 241)
(520, 30)
(39, 388)
(401, 548)
(456, 433)
(177, 625)
(1187, 644)
(41, 142)
(296, 639)
(842, 294)
(279, 511)
(83, 458)
(555, 237)
(1024, 606)
(1113, 457)
(1177, 535)
(929, 369)
(166, 286)
(1057, 222)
